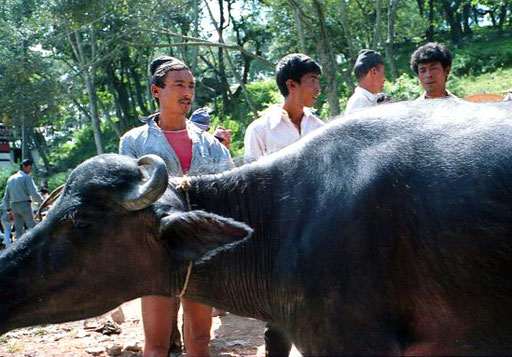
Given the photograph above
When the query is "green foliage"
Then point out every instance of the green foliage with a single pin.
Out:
(483, 56)
(4, 175)
(81, 147)
(493, 82)
(404, 88)
(57, 179)
(263, 94)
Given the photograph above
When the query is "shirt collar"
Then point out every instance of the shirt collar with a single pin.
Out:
(448, 95)
(193, 131)
(277, 114)
(369, 95)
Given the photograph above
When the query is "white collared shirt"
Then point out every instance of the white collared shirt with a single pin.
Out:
(448, 95)
(360, 99)
(274, 131)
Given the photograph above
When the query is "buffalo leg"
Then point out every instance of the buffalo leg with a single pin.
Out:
(276, 342)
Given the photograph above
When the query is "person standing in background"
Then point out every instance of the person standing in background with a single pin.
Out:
(432, 64)
(297, 77)
(6, 224)
(369, 71)
(20, 189)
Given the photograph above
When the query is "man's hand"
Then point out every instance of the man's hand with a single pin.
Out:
(11, 216)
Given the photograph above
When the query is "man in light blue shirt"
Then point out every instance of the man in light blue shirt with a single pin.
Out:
(20, 188)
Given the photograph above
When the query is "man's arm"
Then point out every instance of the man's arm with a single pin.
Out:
(126, 146)
(254, 146)
(7, 198)
(32, 190)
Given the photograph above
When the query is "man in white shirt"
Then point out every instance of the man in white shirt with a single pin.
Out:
(432, 64)
(283, 124)
(369, 71)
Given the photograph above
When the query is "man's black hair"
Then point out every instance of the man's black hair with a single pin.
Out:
(366, 60)
(26, 163)
(160, 66)
(294, 66)
(431, 52)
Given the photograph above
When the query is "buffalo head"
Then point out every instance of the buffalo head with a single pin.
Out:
(117, 232)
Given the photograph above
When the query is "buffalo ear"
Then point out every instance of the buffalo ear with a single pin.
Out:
(191, 235)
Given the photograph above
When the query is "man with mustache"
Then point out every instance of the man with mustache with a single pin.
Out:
(186, 149)
(297, 77)
(432, 64)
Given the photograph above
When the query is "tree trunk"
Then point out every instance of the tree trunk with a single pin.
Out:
(121, 97)
(346, 30)
(430, 31)
(393, 5)
(40, 145)
(106, 110)
(421, 7)
(327, 59)
(138, 90)
(466, 15)
(492, 15)
(131, 94)
(502, 16)
(300, 32)
(24, 143)
(476, 15)
(455, 28)
(195, 50)
(89, 79)
(350, 45)
(378, 15)
(224, 86)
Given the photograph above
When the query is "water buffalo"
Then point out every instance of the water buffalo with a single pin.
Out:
(388, 232)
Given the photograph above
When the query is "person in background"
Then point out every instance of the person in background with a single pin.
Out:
(44, 193)
(369, 71)
(186, 149)
(201, 119)
(297, 77)
(6, 224)
(223, 135)
(432, 64)
(20, 189)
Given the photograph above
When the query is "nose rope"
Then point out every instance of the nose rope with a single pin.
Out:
(187, 279)
(184, 185)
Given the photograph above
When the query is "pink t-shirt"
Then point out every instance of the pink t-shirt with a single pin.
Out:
(182, 145)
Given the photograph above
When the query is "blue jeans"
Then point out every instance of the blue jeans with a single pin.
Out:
(7, 228)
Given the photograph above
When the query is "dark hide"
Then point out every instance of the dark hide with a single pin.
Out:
(388, 232)
(91, 254)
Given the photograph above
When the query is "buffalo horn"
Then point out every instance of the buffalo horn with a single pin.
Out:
(143, 195)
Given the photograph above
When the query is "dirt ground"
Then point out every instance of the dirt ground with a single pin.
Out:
(231, 336)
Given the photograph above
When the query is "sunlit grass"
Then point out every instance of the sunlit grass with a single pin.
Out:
(495, 82)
